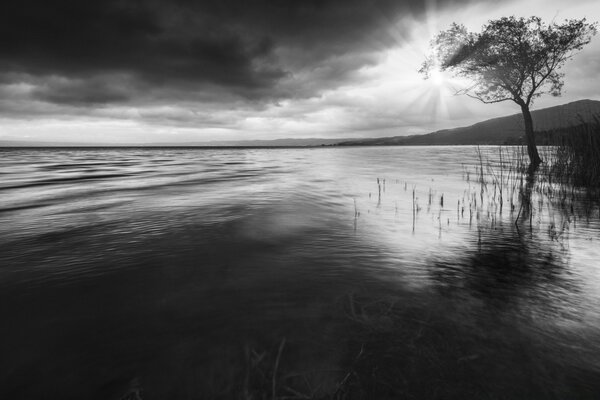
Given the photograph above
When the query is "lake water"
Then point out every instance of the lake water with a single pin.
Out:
(375, 272)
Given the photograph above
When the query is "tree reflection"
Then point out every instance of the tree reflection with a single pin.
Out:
(509, 271)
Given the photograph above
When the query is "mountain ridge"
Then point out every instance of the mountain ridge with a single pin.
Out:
(284, 142)
(499, 130)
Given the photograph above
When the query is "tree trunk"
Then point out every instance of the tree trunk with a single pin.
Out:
(534, 157)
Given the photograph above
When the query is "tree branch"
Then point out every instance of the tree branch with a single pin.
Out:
(488, 101)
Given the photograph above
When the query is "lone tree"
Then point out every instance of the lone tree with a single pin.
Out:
(517, 59)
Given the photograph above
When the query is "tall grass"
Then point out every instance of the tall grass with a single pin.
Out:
(567, 183)
(576, 156)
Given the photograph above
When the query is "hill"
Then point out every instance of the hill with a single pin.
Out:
(288, 142)
(503, 130)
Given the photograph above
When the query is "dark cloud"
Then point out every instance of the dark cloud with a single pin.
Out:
(154, 41)
(82, 92)
(243, 47)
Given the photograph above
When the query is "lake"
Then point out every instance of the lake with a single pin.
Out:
(359, 272)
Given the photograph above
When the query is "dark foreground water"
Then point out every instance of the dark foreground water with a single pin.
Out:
(289, 273)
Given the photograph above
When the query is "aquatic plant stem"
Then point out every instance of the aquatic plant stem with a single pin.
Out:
(275, 368)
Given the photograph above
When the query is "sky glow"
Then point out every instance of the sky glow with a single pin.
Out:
(293, 76)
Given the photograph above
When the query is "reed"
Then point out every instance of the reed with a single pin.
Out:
(575, 158)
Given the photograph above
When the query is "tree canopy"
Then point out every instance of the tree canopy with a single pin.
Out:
(517, 59)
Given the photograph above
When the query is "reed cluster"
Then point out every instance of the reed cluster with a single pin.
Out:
(575, 158)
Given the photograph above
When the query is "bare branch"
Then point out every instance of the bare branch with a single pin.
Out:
(489, 101)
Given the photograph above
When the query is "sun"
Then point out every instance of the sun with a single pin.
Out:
(437, 77)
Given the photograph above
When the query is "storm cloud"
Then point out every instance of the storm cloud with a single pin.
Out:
(86, 49)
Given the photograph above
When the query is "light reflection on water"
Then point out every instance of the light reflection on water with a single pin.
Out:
(111, 258)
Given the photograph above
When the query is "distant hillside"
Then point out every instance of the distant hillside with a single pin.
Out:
(503, 130)
(285, 142)
(288, 142)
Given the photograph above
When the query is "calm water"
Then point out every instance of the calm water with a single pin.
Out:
(172, 269)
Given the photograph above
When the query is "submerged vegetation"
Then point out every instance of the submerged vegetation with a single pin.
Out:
(393, 350)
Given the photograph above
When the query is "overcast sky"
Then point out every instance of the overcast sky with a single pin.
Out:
(143, 71)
